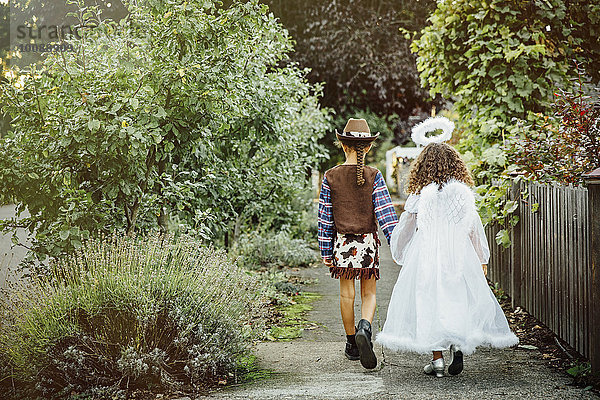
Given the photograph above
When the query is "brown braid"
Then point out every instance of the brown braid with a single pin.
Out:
(360, 163)
(359, 147)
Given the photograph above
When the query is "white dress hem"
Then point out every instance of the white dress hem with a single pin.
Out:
(468, 347)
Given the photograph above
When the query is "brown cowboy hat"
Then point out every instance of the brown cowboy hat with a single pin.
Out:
(356, 130)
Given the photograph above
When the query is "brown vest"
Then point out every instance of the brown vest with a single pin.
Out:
(353, 210)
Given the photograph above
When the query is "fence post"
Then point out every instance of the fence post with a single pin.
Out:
(515, 248)
(593, 185)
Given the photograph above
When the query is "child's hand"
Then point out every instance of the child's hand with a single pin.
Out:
(484, 266)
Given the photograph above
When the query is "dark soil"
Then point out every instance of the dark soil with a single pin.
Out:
(554, 351)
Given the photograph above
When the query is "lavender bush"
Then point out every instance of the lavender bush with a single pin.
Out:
(125, 313)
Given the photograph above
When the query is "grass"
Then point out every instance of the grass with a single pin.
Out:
(249, 371)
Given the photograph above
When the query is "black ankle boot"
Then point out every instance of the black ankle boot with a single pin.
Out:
(351, 348)
(365, 346)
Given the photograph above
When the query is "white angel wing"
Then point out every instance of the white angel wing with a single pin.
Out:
(445, 219)
(451, 207)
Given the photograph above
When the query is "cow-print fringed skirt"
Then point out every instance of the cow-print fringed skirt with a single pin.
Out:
(355, 256)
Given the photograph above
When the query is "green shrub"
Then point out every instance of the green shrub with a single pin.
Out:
(122, 313)
(298, 218)
(182, 113)
(501, 59)
(254, 251)
(278, 290)
(564, 145)
(304, 226)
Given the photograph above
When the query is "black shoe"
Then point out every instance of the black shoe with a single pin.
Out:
(456, 361)
(351, 348)
(365, 346)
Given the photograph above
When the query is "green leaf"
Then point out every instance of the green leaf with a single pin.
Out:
(160, 112)
(115, 107)
(64, 234)
(93, 124)
(510, 206)
(494, 156)
(496, 70)
(512, 54)
(503, 238)
(156, 136)
(64, 141)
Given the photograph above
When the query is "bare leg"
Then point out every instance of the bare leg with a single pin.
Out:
(347, 305)
(368, 290)
(437, 354)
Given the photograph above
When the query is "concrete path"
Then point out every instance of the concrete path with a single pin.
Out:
(314, 366)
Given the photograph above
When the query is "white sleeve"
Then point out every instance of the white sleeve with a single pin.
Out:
(402, 235)
(412, 203)
(479, 240)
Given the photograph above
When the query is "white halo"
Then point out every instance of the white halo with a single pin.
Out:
(429, 125)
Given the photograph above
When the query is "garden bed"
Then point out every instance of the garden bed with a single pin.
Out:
(535, 336)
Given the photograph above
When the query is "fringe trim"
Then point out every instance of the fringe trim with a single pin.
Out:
(354, 273)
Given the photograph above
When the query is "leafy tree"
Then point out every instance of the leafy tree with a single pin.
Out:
(359, 49)
(499, 60)
(178, 116)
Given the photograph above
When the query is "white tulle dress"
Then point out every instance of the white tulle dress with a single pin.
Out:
(441, 296)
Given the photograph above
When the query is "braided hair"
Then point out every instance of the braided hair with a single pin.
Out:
(360, 163)
(359, 147)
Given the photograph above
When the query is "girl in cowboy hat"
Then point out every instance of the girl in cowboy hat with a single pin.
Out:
(353, 199)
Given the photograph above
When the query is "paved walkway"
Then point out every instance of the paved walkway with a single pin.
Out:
(314, 366)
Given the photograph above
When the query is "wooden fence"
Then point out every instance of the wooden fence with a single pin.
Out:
(552, 268)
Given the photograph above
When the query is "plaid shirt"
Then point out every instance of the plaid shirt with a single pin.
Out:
(384, 211)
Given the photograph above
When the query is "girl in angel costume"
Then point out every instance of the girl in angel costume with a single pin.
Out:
(441, 299)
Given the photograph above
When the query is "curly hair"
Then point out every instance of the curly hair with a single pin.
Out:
(359, 146)
(438, 162)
